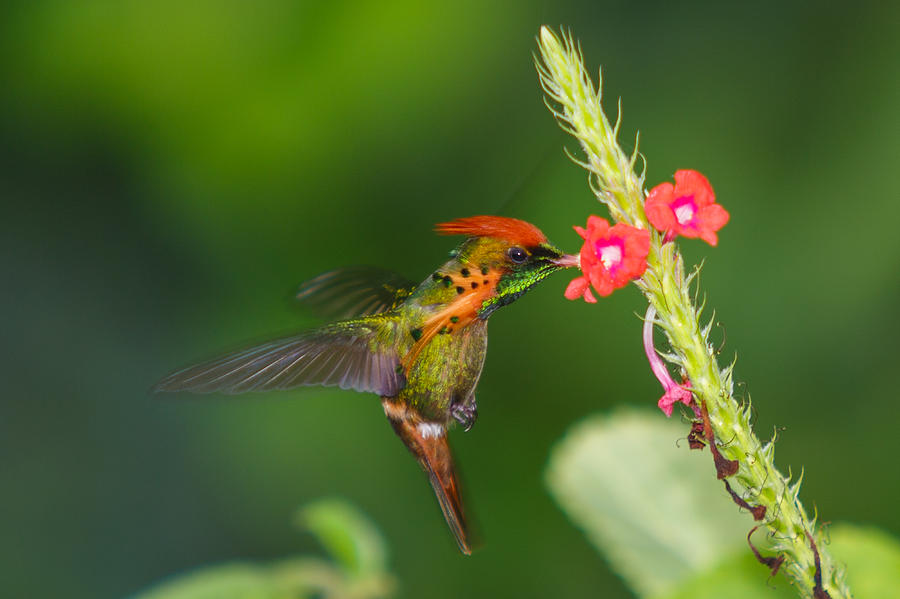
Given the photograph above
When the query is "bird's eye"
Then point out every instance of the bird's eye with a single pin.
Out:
(517, 255)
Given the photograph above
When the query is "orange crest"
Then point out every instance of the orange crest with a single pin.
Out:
(512, 230)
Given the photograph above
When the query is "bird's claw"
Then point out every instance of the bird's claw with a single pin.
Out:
(465, 414)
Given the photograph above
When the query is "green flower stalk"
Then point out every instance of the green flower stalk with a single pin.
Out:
(744, 463)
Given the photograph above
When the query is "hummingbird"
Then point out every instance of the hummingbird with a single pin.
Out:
(420, 348)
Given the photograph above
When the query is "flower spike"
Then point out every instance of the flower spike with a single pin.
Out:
(686, 208)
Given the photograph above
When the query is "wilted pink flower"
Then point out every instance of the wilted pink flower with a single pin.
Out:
(673, 391)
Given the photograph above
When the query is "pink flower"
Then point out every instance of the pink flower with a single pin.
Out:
(673, 392)
(687, 208)
(610, 258)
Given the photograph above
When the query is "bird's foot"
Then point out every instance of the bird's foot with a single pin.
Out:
(465, 414)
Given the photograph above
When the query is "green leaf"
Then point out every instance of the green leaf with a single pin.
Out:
(350, 538)
(872, 557)
(739, 577)
(230, 581)
(665, 524)
(654, 510)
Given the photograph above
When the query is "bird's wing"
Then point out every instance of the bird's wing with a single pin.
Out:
(343, 354)
(354, 291)
(427, 441)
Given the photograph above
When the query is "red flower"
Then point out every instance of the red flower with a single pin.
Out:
(687, 208)
(610, 258)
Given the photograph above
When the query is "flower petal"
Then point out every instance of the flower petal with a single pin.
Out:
(665, 404)
(714, 216)
(597, 226)
(660, 214)
(664, 192)
(576, 288)
(637, 245)
(709, 237)
(672, 397)
(690, 182)
(601, 281)
(711, 219)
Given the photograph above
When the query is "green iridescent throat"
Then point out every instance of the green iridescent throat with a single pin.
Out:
(515, 283)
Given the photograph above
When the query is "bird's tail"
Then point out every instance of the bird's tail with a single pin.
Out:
(427, 441)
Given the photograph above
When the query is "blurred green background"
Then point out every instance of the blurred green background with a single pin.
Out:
(170, 171)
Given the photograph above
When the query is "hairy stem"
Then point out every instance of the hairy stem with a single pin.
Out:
(571, 97)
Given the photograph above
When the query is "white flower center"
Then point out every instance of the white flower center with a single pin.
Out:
(610, 255)
(684, 213)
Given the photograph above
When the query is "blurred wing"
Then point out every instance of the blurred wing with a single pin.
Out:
(339, 355)
(354, 291)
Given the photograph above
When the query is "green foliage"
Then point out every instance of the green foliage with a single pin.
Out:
(737, 577)
(358, 569)
(658, 515)
(231, 581)
(655, 512)
(872, 557)
(348, 536)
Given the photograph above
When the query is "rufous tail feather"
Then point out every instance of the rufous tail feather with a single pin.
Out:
(428, 443)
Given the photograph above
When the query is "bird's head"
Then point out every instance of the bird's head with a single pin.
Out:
(508, 254)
